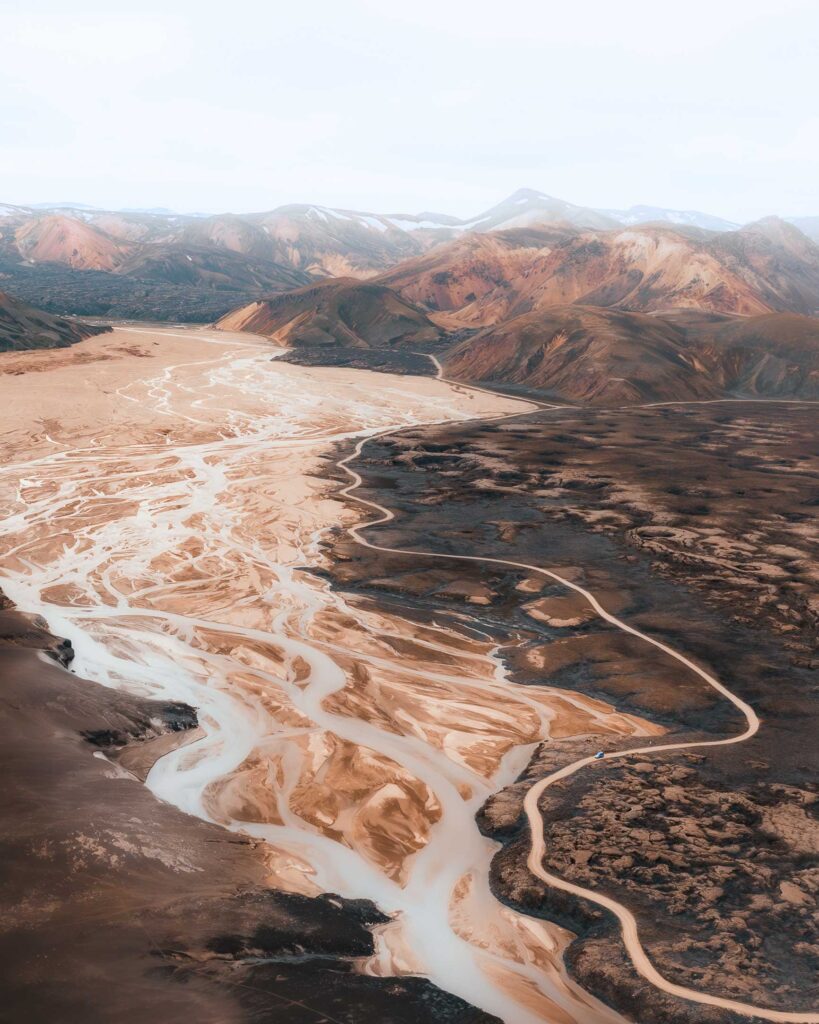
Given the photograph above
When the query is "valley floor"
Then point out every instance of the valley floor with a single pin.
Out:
(168, 497)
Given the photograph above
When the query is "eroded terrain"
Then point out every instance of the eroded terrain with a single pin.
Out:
(119, 907)
(167, 499)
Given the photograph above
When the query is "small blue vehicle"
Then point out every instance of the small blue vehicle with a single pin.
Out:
(599, 755)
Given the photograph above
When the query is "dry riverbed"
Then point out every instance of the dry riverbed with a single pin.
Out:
(168, 496)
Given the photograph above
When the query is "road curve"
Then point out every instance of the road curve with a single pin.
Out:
(628, 922)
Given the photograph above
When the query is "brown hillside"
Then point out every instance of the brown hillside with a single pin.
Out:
(771, 356)
(477, 276)
(340, 311)
(23, 327)
(604, 356)
(210, 266)
(583, 354)
(778, 262)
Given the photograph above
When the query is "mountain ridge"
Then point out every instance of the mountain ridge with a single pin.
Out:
(639, 213)
(191, 267)
(478, 279)
(604, 356)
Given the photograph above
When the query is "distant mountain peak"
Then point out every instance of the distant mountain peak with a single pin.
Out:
(527, 194)
(782, 233)
(528, 207)
(644, 214)
(62, 206)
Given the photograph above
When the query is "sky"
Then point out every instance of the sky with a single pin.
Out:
(438, 105)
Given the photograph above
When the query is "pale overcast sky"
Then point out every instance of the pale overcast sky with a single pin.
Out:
(424, 105)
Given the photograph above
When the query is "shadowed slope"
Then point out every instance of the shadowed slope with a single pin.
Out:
(584, 354)
(22, 327)
(605, 356)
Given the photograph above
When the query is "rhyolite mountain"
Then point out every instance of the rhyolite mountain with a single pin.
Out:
(340, 311)
(160, 264)
(479, 280)
(612, 357)
(528, 207)
(129, 266)
(529, 251)
(619, 316)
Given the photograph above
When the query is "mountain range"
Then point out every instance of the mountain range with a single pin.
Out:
(258, 253)
(481, 279)
(623, 315)
(530, 204)
(599, 306)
